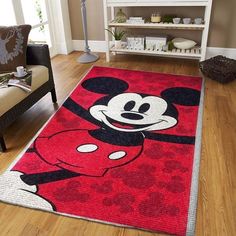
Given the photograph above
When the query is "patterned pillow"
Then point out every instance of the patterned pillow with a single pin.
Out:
(13, 45)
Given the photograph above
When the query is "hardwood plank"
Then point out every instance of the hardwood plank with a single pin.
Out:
(216, 213)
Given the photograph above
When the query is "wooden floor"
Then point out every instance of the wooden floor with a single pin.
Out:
(216, 213)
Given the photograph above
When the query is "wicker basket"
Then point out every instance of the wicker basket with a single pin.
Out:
(219, 68)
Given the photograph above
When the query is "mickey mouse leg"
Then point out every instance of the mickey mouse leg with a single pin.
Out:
(48, 177)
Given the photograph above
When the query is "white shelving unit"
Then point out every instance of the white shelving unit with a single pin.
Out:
(159, 26)
(196, 53)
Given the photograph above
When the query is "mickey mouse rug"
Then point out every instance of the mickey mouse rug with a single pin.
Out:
(123, 149)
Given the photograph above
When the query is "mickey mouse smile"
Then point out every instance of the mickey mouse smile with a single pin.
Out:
(123, 125)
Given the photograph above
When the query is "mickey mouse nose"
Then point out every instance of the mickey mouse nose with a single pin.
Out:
(132, 116)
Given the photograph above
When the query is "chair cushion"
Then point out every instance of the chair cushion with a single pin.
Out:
(11, 96)
(13, 45)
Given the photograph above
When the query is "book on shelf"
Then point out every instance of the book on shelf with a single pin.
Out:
(7, 80)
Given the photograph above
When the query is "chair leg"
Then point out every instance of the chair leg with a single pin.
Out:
(2, 144)
(54, 95)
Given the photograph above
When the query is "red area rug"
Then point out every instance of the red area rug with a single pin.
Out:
(123, 149)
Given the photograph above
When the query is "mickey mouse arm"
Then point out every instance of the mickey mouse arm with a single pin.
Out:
(80, 111)
(170, 138)
(100, 85)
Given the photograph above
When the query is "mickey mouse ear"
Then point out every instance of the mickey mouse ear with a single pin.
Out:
(105, 85)
(182, 96)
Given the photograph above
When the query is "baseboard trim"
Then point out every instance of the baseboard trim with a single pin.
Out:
(100, 46)
(95, 46)
(64, 48)
(227, 52)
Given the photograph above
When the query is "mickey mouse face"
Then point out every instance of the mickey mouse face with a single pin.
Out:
(133, 112)
(130, 112)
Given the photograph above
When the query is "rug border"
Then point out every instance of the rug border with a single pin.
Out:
(192, 212)
(155, 72)
(191, 222)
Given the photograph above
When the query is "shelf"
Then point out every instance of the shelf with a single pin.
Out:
(191, 53)
(159, 26)
(152, 3)
(110, 10)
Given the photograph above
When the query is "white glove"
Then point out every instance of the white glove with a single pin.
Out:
(14, 190)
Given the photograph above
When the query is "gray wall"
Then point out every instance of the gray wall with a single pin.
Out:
(222, 28)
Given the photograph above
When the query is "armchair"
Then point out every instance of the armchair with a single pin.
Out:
(15, 102)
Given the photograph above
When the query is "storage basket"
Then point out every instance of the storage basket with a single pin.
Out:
(219, 68)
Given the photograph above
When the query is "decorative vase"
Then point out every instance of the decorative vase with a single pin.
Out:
(120, 17)
(156, 18)
(118, 44)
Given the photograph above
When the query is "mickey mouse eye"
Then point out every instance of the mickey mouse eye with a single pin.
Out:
(144, 108)
(129, 106)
